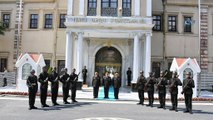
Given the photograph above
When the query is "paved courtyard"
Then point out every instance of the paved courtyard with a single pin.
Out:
(16, 108)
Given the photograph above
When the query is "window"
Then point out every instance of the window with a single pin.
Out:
(62, 20)
(109, 7)
(6, 20)
(61, 64)
(26, 68)
(92, 5)
(3, 64)
(126, 8)
(34, 21)
(172, 21)
(156, 68)
(157, 22)
(48, 21)
(187, 24)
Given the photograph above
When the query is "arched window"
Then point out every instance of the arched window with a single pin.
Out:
(187, 70)
(126, 8)
(92, 5)
(26, 68)
(109, 8)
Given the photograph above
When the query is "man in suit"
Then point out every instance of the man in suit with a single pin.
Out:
(96, 83)
(106, 83)
(84, 74)
(129, 75)
(64, 78)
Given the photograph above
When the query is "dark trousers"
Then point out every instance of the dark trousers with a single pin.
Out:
(43, 95)
(73, 94)
(95, 92)
(162, 99)
(151, 97)
(188, 101)
(174, 101)
(54, 92)
(106, 92)
(5, 82)
(32, 96)
(84, 78)
(141, 96)
(65, 93)
(129, 80)
(116, 92)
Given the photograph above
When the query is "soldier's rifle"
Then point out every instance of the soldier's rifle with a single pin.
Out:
(158, 85)
(186, 86)
(76, 78)
(172, 86)
(148, 82)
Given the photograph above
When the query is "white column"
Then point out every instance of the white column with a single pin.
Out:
(137, 7)
(148, 55)
(80, 54)
(149, 8)
(69, 50)
(70, 7)
(136, 59)
(81, 7)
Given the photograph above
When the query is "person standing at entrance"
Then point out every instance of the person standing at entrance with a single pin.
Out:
(150, 88)
(84, 74)
(96, 82)
(106, 83)
(64, 78)
(188, 84)
(5, 77)
(173, 89)
(161, 87)
(73, 80)
(140, 86)
(129, 75)
(43, 79)
(54, 78)
(32, 84)
(116, 82)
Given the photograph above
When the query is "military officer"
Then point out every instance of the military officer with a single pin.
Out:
(161, 87)
(54, 78)
(173, 88)
(84, 74)
(43, 79)
(64, 79)
(96, 83)
(106, 83)
(140, 86)
(188, 84)
(150, 84)
(32, 89)
(73, 80)
(116, 82)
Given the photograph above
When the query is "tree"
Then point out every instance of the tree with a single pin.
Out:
(2, 29)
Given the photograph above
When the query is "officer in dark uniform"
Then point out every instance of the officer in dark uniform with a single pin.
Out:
(84, 73)
(129, 74)
(161, 87)
(73, 80)
(173, 89)
(116, 82)
(141, 81)
(43, 79)
(150, 84)
(64, 79)
(54, 78)
(188, 84)
(96, 83)
(106, 83)
(32, 89)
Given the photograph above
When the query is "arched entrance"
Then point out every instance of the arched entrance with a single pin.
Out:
(108, 59)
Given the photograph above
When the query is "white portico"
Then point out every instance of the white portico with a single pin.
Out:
(97, 42)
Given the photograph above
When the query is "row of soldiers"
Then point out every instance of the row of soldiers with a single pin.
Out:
(161, 83)
(68, 81)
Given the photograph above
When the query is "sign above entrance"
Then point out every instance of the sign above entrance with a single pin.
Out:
(107, 20)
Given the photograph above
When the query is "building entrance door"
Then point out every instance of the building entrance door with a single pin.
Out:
(108, 59)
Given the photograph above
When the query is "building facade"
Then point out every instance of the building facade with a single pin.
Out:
(108, 35)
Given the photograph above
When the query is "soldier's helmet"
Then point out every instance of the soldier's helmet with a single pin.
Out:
(161, 72)
(141, 72)
(174, 73)
(32, 71)
(188, 73)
